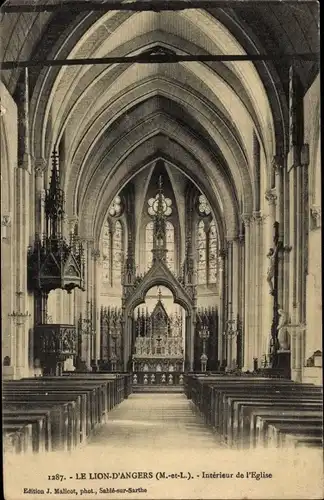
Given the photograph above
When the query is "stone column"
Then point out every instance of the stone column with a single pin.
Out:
(241, 300)
(191, 333)
(297, 348)
(96, 304)
(223, 306)
(267, 300)
(221, 319)
(24, 209)
(248, 352)
(7, 299)
(233, 299)
(40, 167)
(259, 285)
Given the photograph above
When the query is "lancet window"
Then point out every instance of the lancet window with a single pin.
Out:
(106, 253)
(212, 253)
(170, 245)
(112, 252)
(207, 252)
(149, 244)
(201, 254)
(117, 252)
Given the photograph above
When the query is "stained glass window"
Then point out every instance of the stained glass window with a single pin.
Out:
(116, 208)
(117, 252)
(170, 245)
(201, 254)
(203, 205)
(213, 253)
(160, 202)
(148, 245)
(106, 257)
(149, 231)
(207, 253)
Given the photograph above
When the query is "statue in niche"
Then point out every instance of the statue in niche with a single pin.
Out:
(283, 336)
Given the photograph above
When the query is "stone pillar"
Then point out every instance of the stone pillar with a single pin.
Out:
(258, 287)
(267, 300)
(297, 161)
(223, 306)
(221, 319)
(248, 348)
(241, 300)
(96, 304)
(84, 306)
(40, 167)
(297, 348)
(24, 210)
(191, 333)
(7, 299)
(233, 279)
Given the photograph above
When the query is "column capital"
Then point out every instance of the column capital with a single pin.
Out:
(246, 219)
(271, 196)
(258, 217)
(72, 221)
(40, 165)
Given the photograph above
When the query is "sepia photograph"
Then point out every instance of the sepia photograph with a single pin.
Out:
(161, 258)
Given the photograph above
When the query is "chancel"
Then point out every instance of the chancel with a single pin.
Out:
(161, 223)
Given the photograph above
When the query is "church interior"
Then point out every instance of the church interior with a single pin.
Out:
(160, 220)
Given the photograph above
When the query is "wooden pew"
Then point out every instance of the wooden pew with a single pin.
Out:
(61, 423)
(243, 423)
(228, 416)
(277, 433)
(19, 436)
(221, 398)
(287, 417)
(38, 424)
(68, 407)
(38, 413)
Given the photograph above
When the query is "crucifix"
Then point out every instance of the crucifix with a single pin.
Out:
(272, 279)
(273, 261)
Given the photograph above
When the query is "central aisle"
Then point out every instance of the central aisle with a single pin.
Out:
(162, 421)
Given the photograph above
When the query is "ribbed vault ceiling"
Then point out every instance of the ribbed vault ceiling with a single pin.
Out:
(111, 121)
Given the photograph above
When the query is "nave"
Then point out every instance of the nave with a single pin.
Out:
(217, 427)
(161, 243)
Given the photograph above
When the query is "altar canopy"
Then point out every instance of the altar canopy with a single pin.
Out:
(159, 340)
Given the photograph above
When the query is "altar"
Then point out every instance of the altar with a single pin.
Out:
(159, 343)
